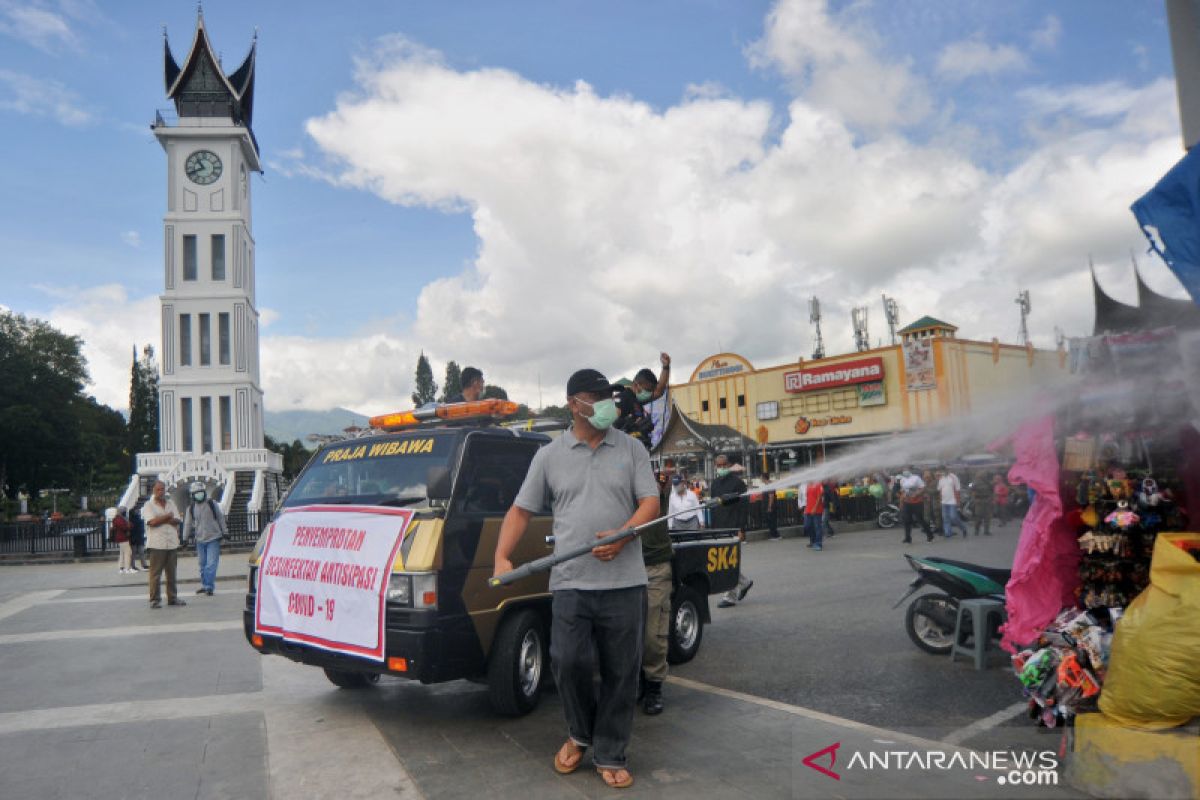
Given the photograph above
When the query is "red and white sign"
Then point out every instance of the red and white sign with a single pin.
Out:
(846, 373)
(323, 576)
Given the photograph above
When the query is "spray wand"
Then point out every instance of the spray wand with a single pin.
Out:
(553, 560)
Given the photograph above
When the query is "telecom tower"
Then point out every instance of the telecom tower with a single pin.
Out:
(891, 311)
(814, 316)
(858, 316)
(1023, 301)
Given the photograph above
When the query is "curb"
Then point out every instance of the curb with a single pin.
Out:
(105, 558)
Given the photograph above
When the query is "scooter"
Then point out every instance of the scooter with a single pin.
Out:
(931, 617)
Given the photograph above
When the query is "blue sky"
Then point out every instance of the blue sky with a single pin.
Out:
(725, 160)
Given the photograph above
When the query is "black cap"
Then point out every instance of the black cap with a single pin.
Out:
(588, 380)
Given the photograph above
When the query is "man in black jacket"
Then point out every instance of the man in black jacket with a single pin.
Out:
(732, 516)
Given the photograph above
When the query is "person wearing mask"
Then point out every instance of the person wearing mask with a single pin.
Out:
(204, 524)
(733, 517)
(981, 499)
(814, 514)
(950, 490)
(596, 480)
(119, 528)
(632, 400)
(912, 505)
(471, 380)
(162, 540)
(680, 502)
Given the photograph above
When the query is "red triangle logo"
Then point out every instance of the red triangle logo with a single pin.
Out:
(831, 751)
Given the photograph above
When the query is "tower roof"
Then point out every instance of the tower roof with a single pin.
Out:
(200, 88)
(1152, 311)
(926, 323)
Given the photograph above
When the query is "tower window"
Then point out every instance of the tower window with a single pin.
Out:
(741, 401)
(206, 425)
(205, 340)
(226, 423)
(723, 404)
(218, 257)
(223, 339)
(185, 340)
(189, 257)
(704, 405)
(185, 423)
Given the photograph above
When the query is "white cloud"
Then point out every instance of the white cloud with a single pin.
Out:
(970, 58)
(834, 60)
(1046, 37)
(36, 26)
(132, 238)
(38, 97)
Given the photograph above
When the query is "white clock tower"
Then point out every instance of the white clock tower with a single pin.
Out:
(210, 398)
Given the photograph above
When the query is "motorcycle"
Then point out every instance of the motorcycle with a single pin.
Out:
(930, 618)
(888, 516)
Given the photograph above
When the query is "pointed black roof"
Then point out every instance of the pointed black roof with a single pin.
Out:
(1152, 311)
(200, 88)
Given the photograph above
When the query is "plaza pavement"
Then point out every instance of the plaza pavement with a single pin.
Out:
(101, 697)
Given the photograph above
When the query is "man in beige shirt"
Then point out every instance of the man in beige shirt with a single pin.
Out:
(162, 542)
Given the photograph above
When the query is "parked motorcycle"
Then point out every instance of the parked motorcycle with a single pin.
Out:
(931, 617)
(888, 516)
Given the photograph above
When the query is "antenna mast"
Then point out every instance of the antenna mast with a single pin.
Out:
(858, 316)
(1023, 301)
(891, 311)
(814, 316)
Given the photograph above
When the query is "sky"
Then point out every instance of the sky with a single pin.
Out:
(535, 187)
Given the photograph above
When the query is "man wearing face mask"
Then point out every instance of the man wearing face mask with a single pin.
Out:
(204, 523)
(731, 516)
(596, 480)
(632, 400)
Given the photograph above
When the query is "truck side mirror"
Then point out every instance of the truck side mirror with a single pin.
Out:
(437, 483)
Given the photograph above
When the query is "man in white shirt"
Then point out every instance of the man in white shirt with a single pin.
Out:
(162, 542)
(912, 505)
(950, 488)
(681, 502)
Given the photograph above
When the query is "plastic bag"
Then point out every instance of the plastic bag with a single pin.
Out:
(1154, 668)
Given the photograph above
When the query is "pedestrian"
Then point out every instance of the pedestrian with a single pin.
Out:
(680, 502)
(912, 505)
(137, 538)
(875, 490)
(471, 381)
(656, 555)
(1000, 498)
(950, 489)
(595, 480)
(981, 502)
(730, 516)
(119, 533)
(831, 503)
(814, 514)
(772, 512)
(204, 524)
(162, 540)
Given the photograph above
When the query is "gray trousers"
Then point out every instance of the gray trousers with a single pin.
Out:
(607, 626)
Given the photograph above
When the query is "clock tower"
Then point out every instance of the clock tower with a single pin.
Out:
(210, 397)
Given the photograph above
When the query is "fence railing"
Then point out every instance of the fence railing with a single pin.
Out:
(83, 536)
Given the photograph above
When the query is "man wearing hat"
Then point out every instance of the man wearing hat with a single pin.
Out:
(204, 524)
(596, 480)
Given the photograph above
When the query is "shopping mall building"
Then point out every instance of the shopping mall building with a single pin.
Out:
(799, 413)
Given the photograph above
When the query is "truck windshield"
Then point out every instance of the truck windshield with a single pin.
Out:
(371, 472)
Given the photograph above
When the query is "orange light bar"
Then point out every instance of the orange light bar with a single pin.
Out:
(397, 664)
(493, 407)
(256, 640)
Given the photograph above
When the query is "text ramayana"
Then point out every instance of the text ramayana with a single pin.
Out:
(395, 448)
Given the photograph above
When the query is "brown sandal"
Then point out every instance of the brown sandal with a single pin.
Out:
(562, 767)
(609, 776)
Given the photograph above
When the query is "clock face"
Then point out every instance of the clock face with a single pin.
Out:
(203, 167)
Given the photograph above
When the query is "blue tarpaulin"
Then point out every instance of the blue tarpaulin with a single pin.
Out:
(1169, 215)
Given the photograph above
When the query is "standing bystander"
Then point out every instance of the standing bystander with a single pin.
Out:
(204, 524)
(950, 490)
(981, 503)
(1000, 498)
(162, 540)
(814, 514)
(912, 505)
(119, 528)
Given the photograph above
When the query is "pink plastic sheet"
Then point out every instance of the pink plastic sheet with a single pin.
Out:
(1047, 559)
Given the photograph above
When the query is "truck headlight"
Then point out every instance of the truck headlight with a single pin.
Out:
(413, 589)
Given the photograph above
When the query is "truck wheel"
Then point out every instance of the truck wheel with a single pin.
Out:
(351, 680)
(518, 661)
(687, 625)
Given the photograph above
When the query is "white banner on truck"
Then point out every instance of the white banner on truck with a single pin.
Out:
(323, 576)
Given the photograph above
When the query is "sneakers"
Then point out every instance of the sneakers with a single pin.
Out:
(156, 604)
(134, 569)
(774, 538)
(743, 591)
(209, 592)
(652, 702)
(202, 590)
(176, 602)
(726, 603)
(817, 547)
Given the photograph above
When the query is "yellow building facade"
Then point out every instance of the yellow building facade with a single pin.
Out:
(809, 407)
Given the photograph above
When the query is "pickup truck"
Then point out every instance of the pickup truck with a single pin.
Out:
(378, 560)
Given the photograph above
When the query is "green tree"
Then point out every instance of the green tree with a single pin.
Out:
(143, 403)
(425, 390)
(452, 384)
(295, 455)
(558, 412)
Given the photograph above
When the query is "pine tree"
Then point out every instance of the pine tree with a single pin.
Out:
(452, 385)
(143, 403)
(425, 390)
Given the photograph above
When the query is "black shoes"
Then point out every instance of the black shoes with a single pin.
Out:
(742, 593)
(176, 602)
(652, 701)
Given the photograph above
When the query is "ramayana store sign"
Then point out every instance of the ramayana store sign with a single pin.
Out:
(847, 373)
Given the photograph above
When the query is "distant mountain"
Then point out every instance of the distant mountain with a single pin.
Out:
(287, 426)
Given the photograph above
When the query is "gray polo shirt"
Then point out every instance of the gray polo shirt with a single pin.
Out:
(590, 491)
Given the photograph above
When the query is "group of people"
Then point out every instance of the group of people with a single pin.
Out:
(162, 530)
(929, 501)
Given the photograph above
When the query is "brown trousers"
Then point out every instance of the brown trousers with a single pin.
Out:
(658, 621)
(163, 561)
